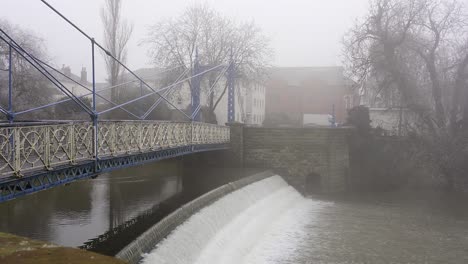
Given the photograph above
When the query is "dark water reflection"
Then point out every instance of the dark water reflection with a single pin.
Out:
(71, 215)
(110, 211)
(107, 213)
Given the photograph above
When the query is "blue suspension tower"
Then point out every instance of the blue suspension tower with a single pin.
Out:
(231, 92)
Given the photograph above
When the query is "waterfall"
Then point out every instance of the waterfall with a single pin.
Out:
(239, 228)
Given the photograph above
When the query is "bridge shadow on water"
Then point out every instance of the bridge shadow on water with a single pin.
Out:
(196, 181)
(107, 213)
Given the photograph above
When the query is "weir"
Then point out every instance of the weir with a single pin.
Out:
(220, 226)
(147, 241)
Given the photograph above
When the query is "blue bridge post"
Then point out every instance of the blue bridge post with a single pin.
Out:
(14, 137)
(10, 85)
(231, 93)
(94, 116)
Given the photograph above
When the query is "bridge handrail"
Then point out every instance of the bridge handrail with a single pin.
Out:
(29, 148)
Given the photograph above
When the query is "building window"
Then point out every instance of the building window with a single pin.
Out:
(348, 102)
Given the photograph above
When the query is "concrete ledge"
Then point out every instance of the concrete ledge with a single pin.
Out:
(148, 240)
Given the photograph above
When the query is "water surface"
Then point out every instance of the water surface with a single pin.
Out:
(71, 215)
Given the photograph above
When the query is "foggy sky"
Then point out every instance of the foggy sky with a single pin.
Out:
(302, 32)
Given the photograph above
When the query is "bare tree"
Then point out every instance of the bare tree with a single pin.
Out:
(441, 22)
(216, 38)
(117, 33)
(419, 49)
(30, 88)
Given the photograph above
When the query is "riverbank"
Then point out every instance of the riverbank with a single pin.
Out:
(20, 250)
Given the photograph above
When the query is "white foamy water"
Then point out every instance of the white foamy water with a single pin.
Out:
(260, 223)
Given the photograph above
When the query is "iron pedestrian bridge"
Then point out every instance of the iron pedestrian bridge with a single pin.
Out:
(38, 155)
(35, 157)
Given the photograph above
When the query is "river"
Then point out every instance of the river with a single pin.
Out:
(105, 213)
(270, 223)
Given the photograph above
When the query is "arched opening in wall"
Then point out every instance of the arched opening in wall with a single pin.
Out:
(313, 183)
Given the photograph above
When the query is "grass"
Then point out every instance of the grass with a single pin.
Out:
(19, 250)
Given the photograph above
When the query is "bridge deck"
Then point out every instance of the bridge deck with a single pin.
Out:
(37, 157)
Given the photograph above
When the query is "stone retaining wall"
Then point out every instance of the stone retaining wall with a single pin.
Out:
(297, 153)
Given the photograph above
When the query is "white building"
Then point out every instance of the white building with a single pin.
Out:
(255, 104)
(385, 111)
(249, 98)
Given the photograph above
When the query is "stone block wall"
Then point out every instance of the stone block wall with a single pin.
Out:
(300, 154)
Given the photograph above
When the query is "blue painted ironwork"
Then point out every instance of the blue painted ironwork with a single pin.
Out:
(31, 60)
(10, 84)
(36, 63)
(97, 93)
(161, 90)
(166, 93)
(333, 117)
(40, 155)
(44, 151)
(210, 91)
(94, 76)
(231, 93)
(95, 115)
(12, 188)
(108, 53)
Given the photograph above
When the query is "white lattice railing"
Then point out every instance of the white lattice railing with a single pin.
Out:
(38, 147)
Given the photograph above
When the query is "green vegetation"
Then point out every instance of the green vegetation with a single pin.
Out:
(19, 250)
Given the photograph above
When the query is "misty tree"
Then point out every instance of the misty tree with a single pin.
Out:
(70, 110)
(418, 49)
(216, 38)
(117, 33)
(30, 87)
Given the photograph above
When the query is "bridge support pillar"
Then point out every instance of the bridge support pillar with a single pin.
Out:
(231, 93)
(236, 151)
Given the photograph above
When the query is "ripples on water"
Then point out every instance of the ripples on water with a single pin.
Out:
(269, 222)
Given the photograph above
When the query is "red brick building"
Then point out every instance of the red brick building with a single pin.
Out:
(292, 93)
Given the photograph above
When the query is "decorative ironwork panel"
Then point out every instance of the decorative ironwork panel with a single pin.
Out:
(106, 139)
(7, 147)
(30, 148)
(83, 141)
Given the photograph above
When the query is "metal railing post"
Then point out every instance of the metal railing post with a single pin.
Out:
(47, 143)
(94, 116)
(17, 152)
(231, 93)
(113, 139)
(72, 144)
(191, 134)
(10, 116)
(10, 84)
